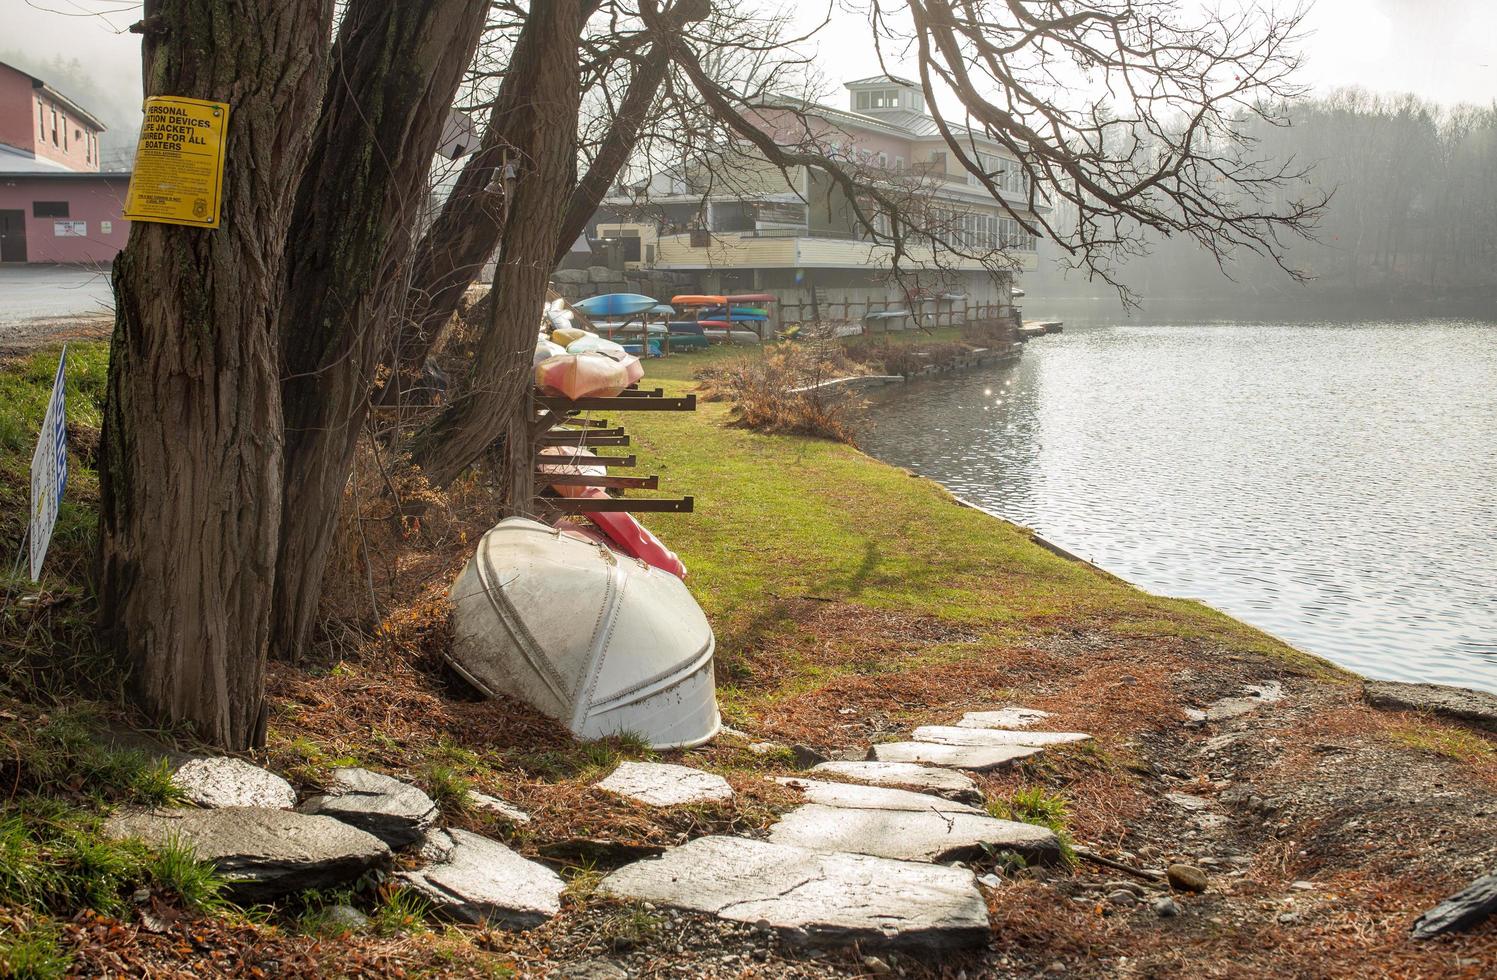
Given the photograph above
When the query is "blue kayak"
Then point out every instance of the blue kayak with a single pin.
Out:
(616, 304)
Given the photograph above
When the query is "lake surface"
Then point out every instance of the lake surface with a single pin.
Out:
(1331, 483)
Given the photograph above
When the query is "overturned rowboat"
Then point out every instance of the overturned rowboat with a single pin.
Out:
(601, 642)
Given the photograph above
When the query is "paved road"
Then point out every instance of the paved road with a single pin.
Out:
(30, 292)
(42, 303)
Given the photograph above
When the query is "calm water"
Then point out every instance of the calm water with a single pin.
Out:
(1331, 483)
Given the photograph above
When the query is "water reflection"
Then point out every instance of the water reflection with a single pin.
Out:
(1330, 483)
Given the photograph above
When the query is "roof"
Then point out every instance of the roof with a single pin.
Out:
(880, 80)
(16, 163)
(896, 122)
(13, 160)
(69, 104)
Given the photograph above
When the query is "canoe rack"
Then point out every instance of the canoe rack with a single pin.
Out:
(562, 425)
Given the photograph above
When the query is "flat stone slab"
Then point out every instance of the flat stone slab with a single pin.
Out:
(813, 896)
(910, 835)
(227, 781)
(662, 784)
(976, 758)
(263, 853)
(1255, 696)
(1003, 718)
(854, 797)
(480, 881)
(397, 813)
(955, 735)
(1473, 707)
(485, 803)
(907, 775)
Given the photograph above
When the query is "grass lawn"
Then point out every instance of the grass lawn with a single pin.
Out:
(849, 598)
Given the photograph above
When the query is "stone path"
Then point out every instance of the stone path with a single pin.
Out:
(480, 881)
(907, 775)
(858, 861)
(976, 758)
(397, 813)
(263, 853)
(910, 834)
(660, 784)
(226, 781)
(956, 735)
(1004, 718)
(813, 896)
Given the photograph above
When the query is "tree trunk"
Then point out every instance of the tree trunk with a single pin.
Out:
(542, 132)
(190, 474)
(466, 233)
(395, 68)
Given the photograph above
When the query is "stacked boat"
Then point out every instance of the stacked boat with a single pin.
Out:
(590, 622)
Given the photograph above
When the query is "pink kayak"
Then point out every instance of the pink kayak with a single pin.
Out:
(633, 538)
(587, 375)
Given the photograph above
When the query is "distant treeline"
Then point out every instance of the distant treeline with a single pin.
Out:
(1413, 210)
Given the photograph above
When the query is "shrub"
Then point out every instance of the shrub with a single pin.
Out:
(781, 391)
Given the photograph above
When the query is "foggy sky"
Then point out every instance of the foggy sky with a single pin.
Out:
(1442, 50)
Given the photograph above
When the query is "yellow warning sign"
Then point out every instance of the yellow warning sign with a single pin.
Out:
(179, 163)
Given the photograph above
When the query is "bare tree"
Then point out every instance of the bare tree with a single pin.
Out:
(191, 461)
(395, 68)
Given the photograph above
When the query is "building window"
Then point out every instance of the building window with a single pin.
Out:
(862, 100)
(49, 209)
(54, 128)
(41, 120)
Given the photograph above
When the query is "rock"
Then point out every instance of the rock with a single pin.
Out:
(662, 784)
(1466, 908)
(1303, 886)
(1166, 908)
(1477, 708)
(877, 966)
(226, 781)
(854, 797)
(1005, 718)
(1186, 878)
(1256, 695)
(569, 275)
(492, 804)
(806, 757)
(911, 835)
(477, 880)
(951, 735)
(977, 758)
(1127, 886)
(990, 879)
(769, 748)
(1187, 802)
(592, 970)
(345, 918)
(1289, 918)
(397, 813)
(262, 853)
(810, 896)
(1122, 898)
(929, 779)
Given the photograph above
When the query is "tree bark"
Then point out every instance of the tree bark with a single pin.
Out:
(395, 68)
(466, 233)
(190, 474)
(541, 130)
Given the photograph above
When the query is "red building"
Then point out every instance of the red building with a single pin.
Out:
(55, 203)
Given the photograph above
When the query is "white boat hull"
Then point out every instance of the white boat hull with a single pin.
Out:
(601, 642)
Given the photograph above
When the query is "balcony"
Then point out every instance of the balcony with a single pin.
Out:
(792, 248)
